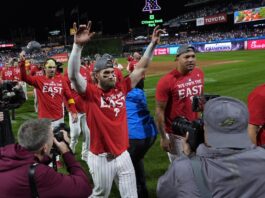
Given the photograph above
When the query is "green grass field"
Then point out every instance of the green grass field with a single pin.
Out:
(233, 79)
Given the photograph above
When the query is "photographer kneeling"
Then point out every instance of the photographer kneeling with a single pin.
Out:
(36, 140)
(226, 165)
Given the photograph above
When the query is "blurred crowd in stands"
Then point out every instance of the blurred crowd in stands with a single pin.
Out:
(6, 55)
(181, 29)
(199, 36)
(221, 7)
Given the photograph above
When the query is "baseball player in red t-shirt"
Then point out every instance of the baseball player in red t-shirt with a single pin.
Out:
(174, 93)
(132, 63)
(16, 72)
(106, 116)
(7, 72)
(256, 108)
(51, 89)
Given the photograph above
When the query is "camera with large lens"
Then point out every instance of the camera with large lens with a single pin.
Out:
(180, 126)
(11, 95)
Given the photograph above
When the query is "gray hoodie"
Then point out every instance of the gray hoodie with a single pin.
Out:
(229, 173)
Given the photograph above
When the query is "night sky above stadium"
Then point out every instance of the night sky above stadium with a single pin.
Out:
(111, 17)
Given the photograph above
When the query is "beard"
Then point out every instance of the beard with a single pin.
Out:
(106, 85)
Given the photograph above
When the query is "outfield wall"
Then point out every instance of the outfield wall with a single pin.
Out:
(255, 43)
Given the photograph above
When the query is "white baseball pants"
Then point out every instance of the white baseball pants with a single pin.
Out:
(104, 170)
(76, 128)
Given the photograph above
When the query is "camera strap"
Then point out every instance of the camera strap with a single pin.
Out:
(33, 187)
(199, 177)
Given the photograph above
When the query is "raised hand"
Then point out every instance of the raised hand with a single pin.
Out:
(156, 34)
(82, 34)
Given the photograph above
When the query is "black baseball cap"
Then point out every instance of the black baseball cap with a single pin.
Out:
(184, 49)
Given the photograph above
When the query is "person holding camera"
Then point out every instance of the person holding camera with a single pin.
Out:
(174, 94)
(227, 164)
(19, 179)
(108, 158)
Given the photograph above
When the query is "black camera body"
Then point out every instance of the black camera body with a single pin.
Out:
(180, 126)
(11, 95)
(58, 134)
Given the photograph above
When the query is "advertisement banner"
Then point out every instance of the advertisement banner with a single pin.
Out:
(256, 44)
(208, 20)
(254, 14)
(200, 21)
(6, 45)
(218, 18)
(219, 47)
(173, 50)
(63, 57)
(161, 51)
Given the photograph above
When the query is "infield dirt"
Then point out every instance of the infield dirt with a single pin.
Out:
(159, 68)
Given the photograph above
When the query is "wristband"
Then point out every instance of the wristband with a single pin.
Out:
(71, 101)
